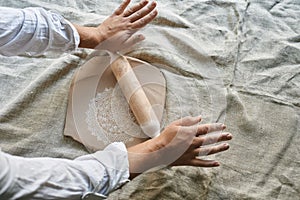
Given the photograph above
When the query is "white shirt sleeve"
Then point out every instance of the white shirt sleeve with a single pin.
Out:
(54, 178)
(33, 31)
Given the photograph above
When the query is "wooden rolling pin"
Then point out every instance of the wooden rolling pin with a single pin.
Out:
(135, 96)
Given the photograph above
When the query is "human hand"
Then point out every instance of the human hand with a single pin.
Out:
(186, 134)
(183, 142)
(117, 31)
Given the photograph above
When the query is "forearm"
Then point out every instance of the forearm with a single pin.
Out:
(34, 31)
(55, 178)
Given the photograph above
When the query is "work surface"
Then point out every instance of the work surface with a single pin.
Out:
(236, 62)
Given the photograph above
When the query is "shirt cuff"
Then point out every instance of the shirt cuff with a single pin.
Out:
(75, 34)
(114, 158)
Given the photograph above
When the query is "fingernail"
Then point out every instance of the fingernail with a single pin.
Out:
(223, 126)
(228, 136)
(154, 13)
(226, 145)
(216, 164)
(141, 37)
(199, 118)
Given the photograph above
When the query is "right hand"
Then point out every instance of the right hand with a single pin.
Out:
(181, 143)
(188, 140)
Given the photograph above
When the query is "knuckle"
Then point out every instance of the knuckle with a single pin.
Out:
(172, 129)
(189, 118)
(142, 21)
(130, 10)
(199, 141)
(211, 140)
(204, 129)
(195, 142)
(127, 25)
(138, 14)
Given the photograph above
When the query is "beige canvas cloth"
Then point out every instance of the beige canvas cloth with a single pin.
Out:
(254, 45)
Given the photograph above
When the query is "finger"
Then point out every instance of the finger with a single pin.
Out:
(188, 131)
(204, 163)
(142, 12)
(135, 8)
(187, 121)
(211, 139)
(134, 40)
(145, 20)
(204, 151)
(122, 7)
(208, 128)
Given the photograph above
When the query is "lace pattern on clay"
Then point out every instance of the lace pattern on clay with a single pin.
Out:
(110, 119)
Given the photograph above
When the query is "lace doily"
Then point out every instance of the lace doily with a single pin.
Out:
(110, 118)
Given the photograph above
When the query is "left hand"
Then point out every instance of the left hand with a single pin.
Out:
(117, 31)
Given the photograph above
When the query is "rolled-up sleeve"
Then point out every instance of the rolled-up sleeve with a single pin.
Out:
(33, 31)
(53, 178)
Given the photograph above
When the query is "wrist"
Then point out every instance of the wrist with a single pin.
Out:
(144, 156)
(89, 36)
